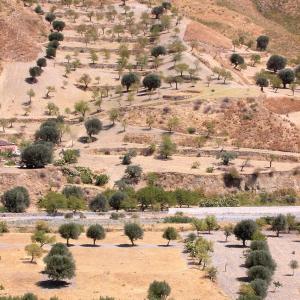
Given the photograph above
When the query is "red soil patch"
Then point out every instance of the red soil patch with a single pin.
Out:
(199, 32)
(282, 105)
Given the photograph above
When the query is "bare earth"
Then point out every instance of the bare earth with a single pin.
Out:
(107, 270)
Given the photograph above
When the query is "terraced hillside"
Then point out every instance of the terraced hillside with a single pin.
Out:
(278, 19)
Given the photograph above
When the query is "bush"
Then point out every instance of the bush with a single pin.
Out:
(126, 159)
(260, 272)
(133, 173)
(259, 245)
(72, 190)
(55, 36)
(16, 200)
(99, 203)
(116, 216)
(158, 290)
(167, 147)
(95, 232)
(3, 227)
(191, 130)
(158, 50)
(50, 52)
(133, 231)
(170, 233)
(260, 258)
(70, 231)
(36, 156)
(70, 156)
(101, 179)
(260, 287)
(178, 219)
(41, 62)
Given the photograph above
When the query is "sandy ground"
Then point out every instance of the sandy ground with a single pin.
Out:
(230, 254)
(107, 270)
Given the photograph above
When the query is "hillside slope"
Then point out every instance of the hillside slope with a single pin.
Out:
(248, 17)
(20, 32)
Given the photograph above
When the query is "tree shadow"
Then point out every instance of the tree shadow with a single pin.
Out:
(90, 246)
(87, 139)
(107, 127)
(235, 246)
(243, 279)
(166, 246)
(52, 284)
(126, 246)
(222, 242)
(30, 80)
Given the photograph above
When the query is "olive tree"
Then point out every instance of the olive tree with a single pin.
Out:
(279, 224)
(262, 42)
(170, 233)
(70, 231)
(158, 290)
(130, 79)
(95, 232)
(152, 82)
(276, 62)
(244, 230)
(287, 76)
(93, 126)
(133, 231)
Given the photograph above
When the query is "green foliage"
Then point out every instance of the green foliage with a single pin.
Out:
(41, 237)
(101, 179)
(279, 224)
(167, 147)
(158, 290)
(34, 250)
(58, 25)
(260, 272)
(152, 82)
(260, 287)
(99, 203)
(158, 50)
(236, 59)
(262, 42)
(52, 202)
(287, 76)
(178, 218)
(16, 200)
(55, 36)
(3, 227)
(48, 134)
(36, 156)
(276, 62)
(95, 232)
(170, 233)
(93, 126)
(186, 197)
(59, 267)
(226, 157)
(116, 200)
(259, 245)
(260, 258)
(244, 230)
(133, 231)
(50, 17)
(129, 79)
(70, 156)
(70, 231)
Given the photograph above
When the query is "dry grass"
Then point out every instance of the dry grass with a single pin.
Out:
(107, 270)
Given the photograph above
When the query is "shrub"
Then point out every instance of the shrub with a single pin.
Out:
(99, 203)
(70, 156)
(244, 230)
(36, 156)
(260, 272)
(95, 232)
(158, 290)
(70, 231)
(167, 147)
(260, 258)
(158, 50)
(52, 202)
(170, 233)
(48, 134)
(16, 200)
(55, 36)
(72, 190)
(133, 231)
(178, 219)
(50, 52)
(101, 179)
(191, 130)
(133, 173)
(3, 227)
(260, 287)
(259, 245)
